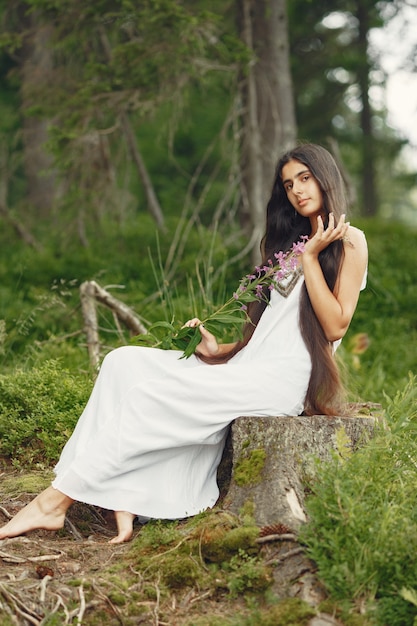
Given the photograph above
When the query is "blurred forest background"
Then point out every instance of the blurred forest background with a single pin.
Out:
(138, 144)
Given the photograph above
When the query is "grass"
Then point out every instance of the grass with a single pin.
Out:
(363, 522)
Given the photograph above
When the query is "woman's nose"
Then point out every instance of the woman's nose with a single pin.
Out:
(296, 188)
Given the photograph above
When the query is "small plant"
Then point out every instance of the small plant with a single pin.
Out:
(247, 574)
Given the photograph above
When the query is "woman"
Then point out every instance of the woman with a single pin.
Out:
(152, 434)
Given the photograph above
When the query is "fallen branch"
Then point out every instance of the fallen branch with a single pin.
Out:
(285, 556)
(90, 294)
(5, 512)
(282, 537)
(20, 608)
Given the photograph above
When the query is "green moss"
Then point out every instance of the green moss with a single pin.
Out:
(248, 469)
(247, 512)
(179, 571)
(343, 443)
(221, 544)
(117, 598)
(289, 612)
(154, 535)
(247, 575)
(32, 482)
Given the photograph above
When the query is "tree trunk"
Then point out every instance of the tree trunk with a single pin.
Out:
(268, 459)
(369, 197)
(269, 126)
(36, 69)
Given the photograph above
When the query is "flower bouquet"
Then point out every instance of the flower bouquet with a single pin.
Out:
(233, 313)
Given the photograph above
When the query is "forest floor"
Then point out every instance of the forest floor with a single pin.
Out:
(45, 573)
(74, 576)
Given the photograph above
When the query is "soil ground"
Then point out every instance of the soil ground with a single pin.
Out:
(74, 576)
(45, 572)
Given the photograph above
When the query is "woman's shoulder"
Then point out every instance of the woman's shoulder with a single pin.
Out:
(355, 240)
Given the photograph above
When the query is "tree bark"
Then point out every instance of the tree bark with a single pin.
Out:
(369, 196)
(267, 460)
(269, 126)
(36, 69)
(251, 176)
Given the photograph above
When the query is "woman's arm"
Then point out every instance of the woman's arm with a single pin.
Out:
(335, 309)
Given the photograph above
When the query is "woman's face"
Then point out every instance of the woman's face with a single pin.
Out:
(303, 190)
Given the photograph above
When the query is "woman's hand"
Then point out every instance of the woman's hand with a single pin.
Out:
(208, 345)
(325, 236)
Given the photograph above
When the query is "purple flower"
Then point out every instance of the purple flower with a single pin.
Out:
(280, 257)
(280, 275)
(298, 248)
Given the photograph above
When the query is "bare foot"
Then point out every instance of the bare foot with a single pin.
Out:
(46, 511)
(124, 522)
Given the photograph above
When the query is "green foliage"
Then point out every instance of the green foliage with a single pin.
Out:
(287, 612)
(246, 574)
(213, 550)
(124, 74)
(363, 523)
(39, 408)
(385, 313)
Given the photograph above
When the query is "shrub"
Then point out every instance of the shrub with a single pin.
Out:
(39, 408)
(363, 520)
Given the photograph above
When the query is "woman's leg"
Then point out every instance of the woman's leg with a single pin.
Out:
(124, 522)
(46, 511)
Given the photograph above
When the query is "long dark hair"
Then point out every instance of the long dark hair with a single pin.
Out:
(284, 226)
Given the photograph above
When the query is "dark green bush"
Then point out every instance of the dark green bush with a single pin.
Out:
(39, 408)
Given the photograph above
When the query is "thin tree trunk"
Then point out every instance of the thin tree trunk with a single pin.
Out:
(36, 68)
(252, 178)
(152, 200)
(19, 228)
(276, 110)
(153, 204)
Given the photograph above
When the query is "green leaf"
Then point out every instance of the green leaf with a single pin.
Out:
(226, 318)
(185, 336)
(144, 340)
(165, 325)
(187, 341)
